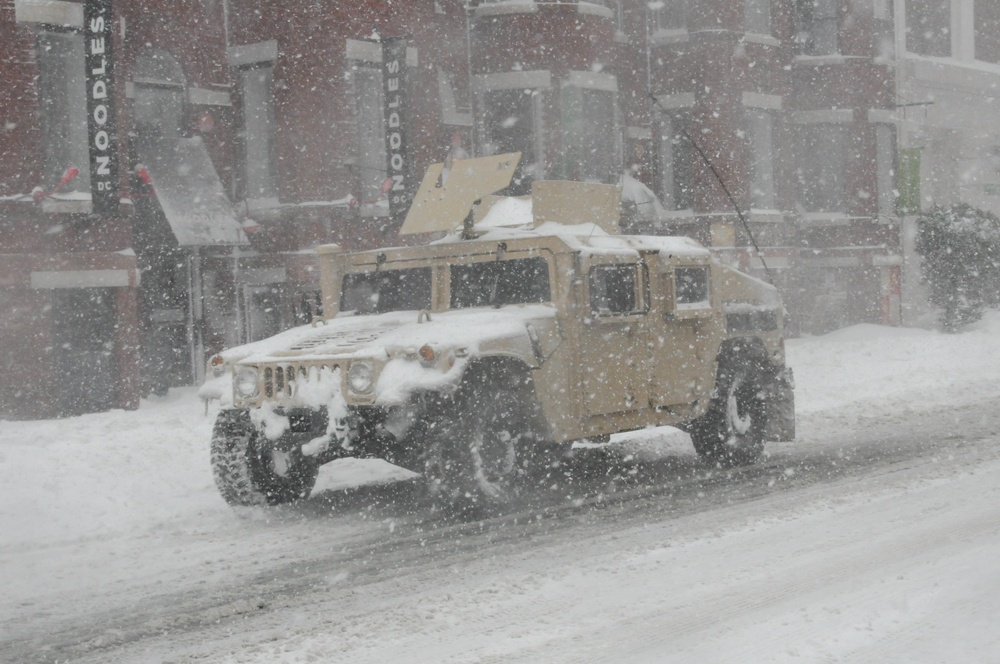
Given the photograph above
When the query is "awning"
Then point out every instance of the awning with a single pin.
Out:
(190, 192)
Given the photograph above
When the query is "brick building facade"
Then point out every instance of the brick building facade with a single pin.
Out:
(251, 131)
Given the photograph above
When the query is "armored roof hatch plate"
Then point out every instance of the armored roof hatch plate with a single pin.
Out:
(577, 203)
(446, 196)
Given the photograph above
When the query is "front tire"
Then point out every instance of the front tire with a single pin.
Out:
(731, 433)
(250, 470)
(472, 461)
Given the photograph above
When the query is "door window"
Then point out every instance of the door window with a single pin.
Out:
(614, 290)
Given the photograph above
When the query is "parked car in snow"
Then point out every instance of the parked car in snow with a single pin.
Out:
(472, 356)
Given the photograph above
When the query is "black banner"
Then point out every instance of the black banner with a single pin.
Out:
(399, 184)
(98, 35)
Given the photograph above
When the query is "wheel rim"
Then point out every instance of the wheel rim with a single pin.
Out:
(739, 418)
(281, 463)
(493, 460)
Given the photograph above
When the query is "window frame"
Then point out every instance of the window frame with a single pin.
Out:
(809, 148)
(640, 290)
(656, 15)
(532, 164)
(580, 84)
(760, 140)
(539, 262)
(808, 27)
(271, 197)
(371, 158)
(752, 10)
(676, 189)
(69, 148)
(941, 47)
(692, 305)
(425, 274)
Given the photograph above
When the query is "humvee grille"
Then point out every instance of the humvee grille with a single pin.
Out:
(280, 379)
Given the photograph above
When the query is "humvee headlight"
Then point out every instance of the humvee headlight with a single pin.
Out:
(361, 377)
(247, 382)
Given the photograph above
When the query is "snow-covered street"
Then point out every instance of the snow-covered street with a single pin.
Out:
(873, 538)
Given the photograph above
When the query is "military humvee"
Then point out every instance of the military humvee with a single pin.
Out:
(471, 357)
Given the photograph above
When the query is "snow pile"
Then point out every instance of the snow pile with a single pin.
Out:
(869, 371)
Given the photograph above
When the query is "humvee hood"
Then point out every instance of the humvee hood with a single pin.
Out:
(394, 339)
(383, 336)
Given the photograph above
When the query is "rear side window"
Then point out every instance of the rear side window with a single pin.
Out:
(386, 290)
(496, 283)
(614, 289)
(691, 285)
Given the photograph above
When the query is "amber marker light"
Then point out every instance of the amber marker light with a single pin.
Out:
(427, 355)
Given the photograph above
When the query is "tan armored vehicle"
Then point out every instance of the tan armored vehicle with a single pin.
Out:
(470, 357)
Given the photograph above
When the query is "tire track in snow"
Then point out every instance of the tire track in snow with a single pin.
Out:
(410, 561)
(806, 582)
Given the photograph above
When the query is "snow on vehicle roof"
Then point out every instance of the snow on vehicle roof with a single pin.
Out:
(511, 218)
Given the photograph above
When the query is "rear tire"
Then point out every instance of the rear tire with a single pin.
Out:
(251, 471)
(731, 433)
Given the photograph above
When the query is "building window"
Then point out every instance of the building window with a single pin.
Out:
(667, 15)
(759, 135)
(885, 34)
(511, 124)
(262, 309)
(817, 27)
(676, 162)
(63, 100)
(928, 27)
(590, 135)
(158, 107)
(987, 18)
(618, 7)
(822, 151)
(757, 16)
(372, 166)
(257, 94)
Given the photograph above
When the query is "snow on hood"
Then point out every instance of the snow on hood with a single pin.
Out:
(384, 335)
(393, 338)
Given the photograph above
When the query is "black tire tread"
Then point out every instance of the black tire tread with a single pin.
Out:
(239, 471)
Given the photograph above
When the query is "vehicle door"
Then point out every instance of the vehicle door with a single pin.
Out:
(682, 329)
(613, 369)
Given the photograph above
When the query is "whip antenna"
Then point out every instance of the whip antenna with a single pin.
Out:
(729, 195)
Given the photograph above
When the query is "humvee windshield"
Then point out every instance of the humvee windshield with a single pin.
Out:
(496, 283)
(386, 290)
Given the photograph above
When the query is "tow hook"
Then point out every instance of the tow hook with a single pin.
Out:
(338, 434)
